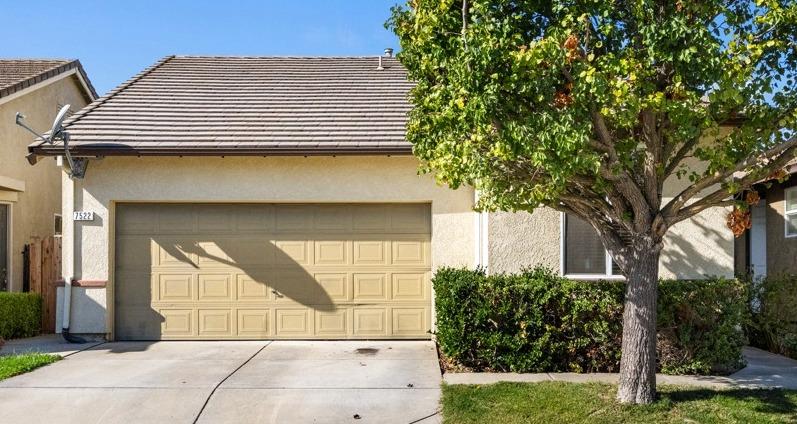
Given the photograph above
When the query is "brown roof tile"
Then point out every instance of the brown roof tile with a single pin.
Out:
(18, 74)
(185, 105)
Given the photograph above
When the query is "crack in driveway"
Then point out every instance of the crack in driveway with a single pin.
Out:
(204, 405)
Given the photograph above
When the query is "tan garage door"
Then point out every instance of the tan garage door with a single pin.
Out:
(199, 271)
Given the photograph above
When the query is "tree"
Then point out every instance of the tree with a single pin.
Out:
(589, 106)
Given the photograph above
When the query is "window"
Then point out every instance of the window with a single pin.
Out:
(790, 212)
(583, 254)
(5, 231)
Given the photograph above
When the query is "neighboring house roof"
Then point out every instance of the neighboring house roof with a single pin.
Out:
(18, 74)
(209, 105)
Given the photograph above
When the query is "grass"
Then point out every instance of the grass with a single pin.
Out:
(549, 402)
(18, 364)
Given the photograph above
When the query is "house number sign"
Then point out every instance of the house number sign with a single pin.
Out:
(83, 216)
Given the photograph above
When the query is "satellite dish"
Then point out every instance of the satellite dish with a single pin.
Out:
(77, 166)
(56, 129)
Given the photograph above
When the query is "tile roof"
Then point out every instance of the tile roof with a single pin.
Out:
(19, 74)
(203, 105)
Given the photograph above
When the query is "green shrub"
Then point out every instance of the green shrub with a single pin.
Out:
(20, 315)
(537, 321)
(774, 307)
(701, 326)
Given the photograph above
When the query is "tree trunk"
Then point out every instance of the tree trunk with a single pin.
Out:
(638, 361)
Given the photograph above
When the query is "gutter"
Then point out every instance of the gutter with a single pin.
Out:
(88, 151)
(68, 256)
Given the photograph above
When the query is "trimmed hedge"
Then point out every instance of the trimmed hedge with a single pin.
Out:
(774, 311)
(20, 315)
(536, 321)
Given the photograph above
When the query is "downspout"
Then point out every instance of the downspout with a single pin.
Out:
(68, 252)
(481, 236)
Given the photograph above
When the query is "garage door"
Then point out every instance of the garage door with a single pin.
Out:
(272, 271)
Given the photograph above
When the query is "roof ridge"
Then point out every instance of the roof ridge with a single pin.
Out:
(190, 56)
(82, 112)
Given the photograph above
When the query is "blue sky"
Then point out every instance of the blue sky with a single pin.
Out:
(115, 40)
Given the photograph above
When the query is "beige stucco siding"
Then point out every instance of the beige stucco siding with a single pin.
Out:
(254, 179)
(34, 206)
(695, 248)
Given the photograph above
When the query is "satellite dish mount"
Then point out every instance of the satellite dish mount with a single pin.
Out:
(77, 166)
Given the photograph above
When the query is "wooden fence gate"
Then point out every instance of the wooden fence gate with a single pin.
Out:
(44, 270)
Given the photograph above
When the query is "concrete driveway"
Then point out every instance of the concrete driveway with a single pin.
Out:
(235, 382)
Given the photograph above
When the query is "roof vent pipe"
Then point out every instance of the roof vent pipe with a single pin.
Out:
(389, 52)
(380, 67)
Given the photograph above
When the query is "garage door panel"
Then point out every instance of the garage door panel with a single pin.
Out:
(409, 252)
(370, 219)
(253, 323)
(215, 287)
(177, 322)
(410, 218)
(332, 218)
(370, 287)
(174, 287)
(294, 322)
(133, 253)
(136, 290)
(293, 252)
(254, 218)
(332, 324)
(175, 219)
(331, 252)
(272, 271)
(251, 289)
(334, 285)
(294, 218)
(370, 322)
(215, 322)
(409, 286)
(244, 252)
(409, 321)
(175, 253)
(215, 219)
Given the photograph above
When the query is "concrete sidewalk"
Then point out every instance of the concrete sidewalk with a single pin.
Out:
(763, 370)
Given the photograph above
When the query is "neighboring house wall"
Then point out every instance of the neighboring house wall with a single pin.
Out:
(249, 179)
(34, 205)
(781, 250)
(695, 248)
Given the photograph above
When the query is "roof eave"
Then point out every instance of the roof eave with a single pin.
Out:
(90, 151)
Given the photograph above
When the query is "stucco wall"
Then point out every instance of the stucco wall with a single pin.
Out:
(254, 179)
(33, 210)
(781, 251)
(695, 248)
(518, 240)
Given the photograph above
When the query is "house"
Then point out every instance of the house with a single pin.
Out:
(770, 245)
(30, 198)
(277, 197)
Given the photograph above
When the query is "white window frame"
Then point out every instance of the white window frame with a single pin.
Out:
(788, 212)
(562, 251)
(10, 244)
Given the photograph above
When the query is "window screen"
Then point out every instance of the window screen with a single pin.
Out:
(584, 252)
(790, 212)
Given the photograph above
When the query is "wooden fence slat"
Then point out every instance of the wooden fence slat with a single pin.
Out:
(45, 271)
(35, 265)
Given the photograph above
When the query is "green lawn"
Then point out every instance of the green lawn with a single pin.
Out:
(17, 364)
(553, 402)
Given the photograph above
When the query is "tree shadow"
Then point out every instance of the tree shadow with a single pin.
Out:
(773, 401)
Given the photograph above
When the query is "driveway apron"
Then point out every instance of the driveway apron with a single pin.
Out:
(236, 382)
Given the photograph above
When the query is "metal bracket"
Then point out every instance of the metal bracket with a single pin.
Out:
(78, 166)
